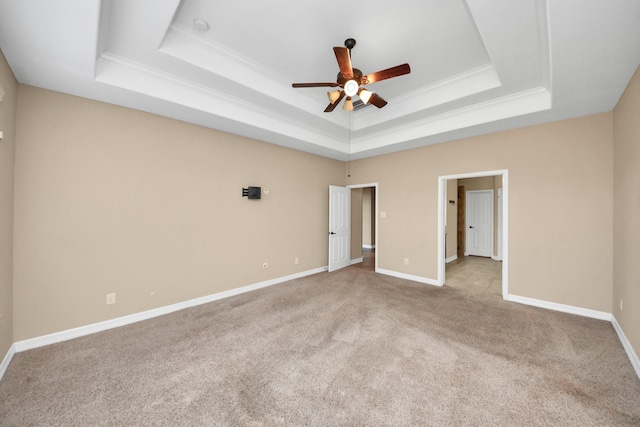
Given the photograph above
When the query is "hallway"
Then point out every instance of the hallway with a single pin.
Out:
(368, 260)
(475, 274)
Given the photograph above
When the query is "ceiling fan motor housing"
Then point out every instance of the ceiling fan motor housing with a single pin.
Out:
(357, 76)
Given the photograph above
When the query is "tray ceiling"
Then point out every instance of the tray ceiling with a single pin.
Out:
(476, 66)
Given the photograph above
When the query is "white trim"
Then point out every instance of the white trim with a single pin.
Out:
(356, 260)
(450, 259)
(7, 359)
(408, 277)
(368, 246)
(515, 104)
(498, 247)
(633, 356)
(585, 312)
(149, 314)
(495, 258)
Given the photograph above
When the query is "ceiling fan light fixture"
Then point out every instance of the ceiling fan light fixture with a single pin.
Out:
(365, 95)
(348, 104)
(349, 80)
(334, 95)
(351, 87)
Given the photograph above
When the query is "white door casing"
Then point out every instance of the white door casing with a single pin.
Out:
(499, 224)
(479, 223)
(339, 227)
(504, 239)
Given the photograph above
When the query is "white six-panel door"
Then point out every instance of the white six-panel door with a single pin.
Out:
(339, 227)
(479, 219)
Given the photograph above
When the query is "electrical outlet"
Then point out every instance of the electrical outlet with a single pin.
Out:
(111, 299)
(296, 261)
(406, 261)
(620, 304)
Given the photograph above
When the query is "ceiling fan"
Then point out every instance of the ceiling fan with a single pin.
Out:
(350, 79)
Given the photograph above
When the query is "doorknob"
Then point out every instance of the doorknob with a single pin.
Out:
(471, 226)
(331, 232)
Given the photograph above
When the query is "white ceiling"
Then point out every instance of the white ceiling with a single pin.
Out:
(477, 66)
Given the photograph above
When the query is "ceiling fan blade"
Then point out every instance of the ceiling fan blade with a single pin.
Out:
(344, 61)
(315, 84)
(396, 71)
(377, 101)
(333, 105)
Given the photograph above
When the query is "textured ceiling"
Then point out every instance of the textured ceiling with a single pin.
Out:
(476, 66)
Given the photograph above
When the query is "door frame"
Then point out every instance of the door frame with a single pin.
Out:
(461, 237)
(499, 242)
(442, 206)
(375, 190)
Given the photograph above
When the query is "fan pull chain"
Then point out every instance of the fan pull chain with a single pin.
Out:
(349, 164)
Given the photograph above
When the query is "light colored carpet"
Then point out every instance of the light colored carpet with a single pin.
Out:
(345, 348)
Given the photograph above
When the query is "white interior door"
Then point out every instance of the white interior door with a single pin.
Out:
(479, 219)
(339, 227)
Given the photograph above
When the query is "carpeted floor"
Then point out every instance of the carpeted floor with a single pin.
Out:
(349, 348)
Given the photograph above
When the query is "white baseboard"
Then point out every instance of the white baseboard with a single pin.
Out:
(631, 354)
(451, 258)
(357, 260)
(149, 314)
(601, 315)
(7, 359)
(408, 277)
(496, 258)
(369, 246)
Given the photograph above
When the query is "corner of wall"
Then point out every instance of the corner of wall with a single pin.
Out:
(8, 105)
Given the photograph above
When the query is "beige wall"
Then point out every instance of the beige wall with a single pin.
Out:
(626, 255)
(109, 199)
(7, 146)
(560, 206)
(356, 223)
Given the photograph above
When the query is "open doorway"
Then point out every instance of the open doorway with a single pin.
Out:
(364, 230)
(479, 261)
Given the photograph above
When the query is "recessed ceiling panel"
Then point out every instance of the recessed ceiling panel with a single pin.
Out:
(297, 40)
